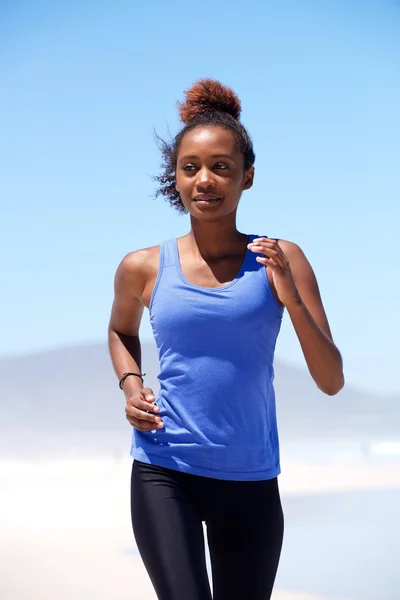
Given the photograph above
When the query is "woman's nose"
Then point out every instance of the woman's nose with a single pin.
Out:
(205, 178)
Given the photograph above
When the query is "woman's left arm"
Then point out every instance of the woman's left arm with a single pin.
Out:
(297, 289)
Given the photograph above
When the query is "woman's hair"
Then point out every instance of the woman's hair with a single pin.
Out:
(208, 102)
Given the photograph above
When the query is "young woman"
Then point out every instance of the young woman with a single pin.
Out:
(206, 449)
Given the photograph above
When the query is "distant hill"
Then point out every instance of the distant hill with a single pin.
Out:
(67, 401)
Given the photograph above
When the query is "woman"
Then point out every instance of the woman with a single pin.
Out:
(207, 448)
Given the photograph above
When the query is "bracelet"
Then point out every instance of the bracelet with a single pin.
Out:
(125, 375)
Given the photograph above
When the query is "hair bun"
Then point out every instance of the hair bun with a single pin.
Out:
(208, 95)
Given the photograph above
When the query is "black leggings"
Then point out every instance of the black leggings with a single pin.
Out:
(244, 532)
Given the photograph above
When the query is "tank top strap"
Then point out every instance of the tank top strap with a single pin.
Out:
(168, 255)
(165, 273)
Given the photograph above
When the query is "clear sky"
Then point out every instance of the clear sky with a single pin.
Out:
(84, 85)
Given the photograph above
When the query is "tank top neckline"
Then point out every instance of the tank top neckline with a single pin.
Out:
(211, 289)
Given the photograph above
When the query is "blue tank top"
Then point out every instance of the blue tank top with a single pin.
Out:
(216, 351)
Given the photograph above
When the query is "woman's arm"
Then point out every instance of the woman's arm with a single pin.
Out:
(123, 329)
(297, 289)
(124, 343)
(309, 320)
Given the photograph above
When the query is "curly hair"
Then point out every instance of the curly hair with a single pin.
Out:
(208, 102)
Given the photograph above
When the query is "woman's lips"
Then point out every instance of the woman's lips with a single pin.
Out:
(205, 200)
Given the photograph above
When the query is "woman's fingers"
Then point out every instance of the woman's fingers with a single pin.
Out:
(268, 262)
(142, 425)
(272, 255)
(141, 415)
(140, 409)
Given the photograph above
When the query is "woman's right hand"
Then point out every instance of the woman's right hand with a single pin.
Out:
(141, 411)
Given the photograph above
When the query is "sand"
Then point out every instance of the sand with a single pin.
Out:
(66, 532)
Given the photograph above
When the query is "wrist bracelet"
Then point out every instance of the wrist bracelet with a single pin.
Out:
(125, 375)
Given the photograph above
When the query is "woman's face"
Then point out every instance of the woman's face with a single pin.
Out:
(210, 175)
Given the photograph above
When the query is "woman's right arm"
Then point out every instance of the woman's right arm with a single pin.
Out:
(124, 343)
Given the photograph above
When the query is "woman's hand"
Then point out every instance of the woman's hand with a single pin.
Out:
(276, 259)
(139, 408)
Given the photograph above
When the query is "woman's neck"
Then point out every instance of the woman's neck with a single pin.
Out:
(215, 240)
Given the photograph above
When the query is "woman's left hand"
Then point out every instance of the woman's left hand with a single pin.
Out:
(276, 259)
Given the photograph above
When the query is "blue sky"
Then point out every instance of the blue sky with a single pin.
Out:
(84, 85)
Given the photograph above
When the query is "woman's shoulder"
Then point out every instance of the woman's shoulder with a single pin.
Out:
(299, 263)
(142, 260)
(292, 251)
(289, 248)
(137, 268)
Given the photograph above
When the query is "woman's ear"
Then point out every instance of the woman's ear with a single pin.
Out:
(249, 178)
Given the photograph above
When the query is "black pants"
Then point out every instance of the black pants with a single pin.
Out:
(244, 532)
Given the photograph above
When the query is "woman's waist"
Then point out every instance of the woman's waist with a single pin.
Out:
(210, 373)
(219, 414)
(214, 392)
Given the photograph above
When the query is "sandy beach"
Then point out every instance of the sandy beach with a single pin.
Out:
(66, 529)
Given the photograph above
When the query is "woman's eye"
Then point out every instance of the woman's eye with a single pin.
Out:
(189, 168)
(220, 166)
